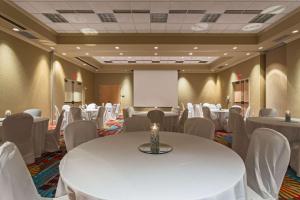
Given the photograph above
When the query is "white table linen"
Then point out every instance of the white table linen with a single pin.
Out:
(39, 131)
(113, 168)
(291, 130)
(170, 120)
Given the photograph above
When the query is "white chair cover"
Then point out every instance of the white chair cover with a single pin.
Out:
(79, 132)
(268, 112)
(91, 106)
(156, 116)
(181, 122)
(200, 127)
(240, 139)
(17, 128)
(100, 117)
(117, 110)
(190, 108)
(108, 112)
(56, 113)
(66, 107)
(295, 157)
(175, 109)
(208, 115)
(247, 113)
(136, 123)
(130, 111)
(75, 114)
(267, 161)
(219, 106)
(53, 136)
(34, 112)
(198, 110)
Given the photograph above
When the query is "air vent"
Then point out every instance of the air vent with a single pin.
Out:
(159, 17)
(262, 18)
(122, 11)
(131, 61)
(196, 11)
(177, 11)
(56, 18)
(75, 11)
(12, 22)
(155, 61)
(203, 61)
(107, 17)
(85, 62)
(108, 61)
(28, 35)
(141, 11)
(179, 61)
(210, 18)
(281, 38)
(242, 11)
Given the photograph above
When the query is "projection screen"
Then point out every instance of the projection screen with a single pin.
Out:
(155, 88)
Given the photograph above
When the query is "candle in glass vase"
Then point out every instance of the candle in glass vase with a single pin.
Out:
(154, 138)
(287, 116)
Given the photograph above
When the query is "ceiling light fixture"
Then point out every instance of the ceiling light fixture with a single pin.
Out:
(277, 9)
(248, 54)
(225, 54)
(252, 27)
(78, 48)
(155, 54)
(84, 64)
(64, 54)
(88, 31)
(190, 53)
(260, 48)
(52, 48)
(155, 47)
(117, 47)
(87, 54)
(226, 64)
(234, 48)
(295, 31)
(16, 29)
(195, 48)
(121, 54)
(199, 27)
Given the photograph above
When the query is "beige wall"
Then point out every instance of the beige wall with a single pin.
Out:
(25, 76)
(251, 69)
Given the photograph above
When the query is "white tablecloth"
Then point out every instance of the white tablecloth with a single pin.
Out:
(291, 130)
(39, 131)
(113, 168)
(170, 120)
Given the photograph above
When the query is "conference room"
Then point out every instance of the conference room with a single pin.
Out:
(149, 100)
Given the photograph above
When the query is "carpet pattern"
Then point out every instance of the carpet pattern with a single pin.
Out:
(45, 171)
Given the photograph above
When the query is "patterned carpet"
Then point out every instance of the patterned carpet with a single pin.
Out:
(45, 172)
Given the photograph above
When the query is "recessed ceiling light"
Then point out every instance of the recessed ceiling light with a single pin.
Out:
(195, 48)
(182, 57)
(84, 64)
(295, 31)
(88, 31)
(260, 48)
(208, 57)
(117, 47)
(277, 9)
(226, 64)
(78, 48)
(191, 53)
(155, 47)
(90, 45)
(129, 57)
(182, 70)
(200, 27)
(252, 27)
(64, 54)
(155, 54)
(96, 70)
(234, 48)
(87, 54)
(121, 54)
(52, 48)
(225, 54)
(16, 29)
(248, 54)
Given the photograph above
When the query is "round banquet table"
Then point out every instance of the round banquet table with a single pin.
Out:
(113, 168)
(291, 130)
(170, 120)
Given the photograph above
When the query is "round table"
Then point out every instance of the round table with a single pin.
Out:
(112, 168)
(291, 130)
(170, 119)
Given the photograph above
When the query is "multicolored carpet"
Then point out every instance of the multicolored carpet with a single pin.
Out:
(45, 172)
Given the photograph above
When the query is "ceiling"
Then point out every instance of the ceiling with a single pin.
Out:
(119, 16)
(155, 34)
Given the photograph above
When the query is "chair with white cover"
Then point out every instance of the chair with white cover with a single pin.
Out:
(53, 136)
(182, 120)
(198, 110)
(56, 113)
(136, 123)
(117, 111)
(15, 179)
(100, 117)
(200, 127)
(34, 112)
(66, 107)
(190, 108)
(131, 111)
(156, 116)
(228, 122)
(175, 109)
(91, 106)
(295, 157)
(79, 132)
(266, 163)
(208, 115)
(240, 140)
(108, 112)
(17, 128)
(268, 112)
(75, 113)
(247, 113)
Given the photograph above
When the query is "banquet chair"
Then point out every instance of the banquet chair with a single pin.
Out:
(34, 112)
(268, 112)
(75, 114)
(240, 140)
(200, 127)
(91, 106)
(198, 110)
(247, 113)
(100, 118)
(136, 123)
(156, 116)
(18, 129)
(228, 122)
(266, 163)
(130, 111)
(181, 122)
(208, 115)
(175, 109)
(66, 107)
(125, 113)
(108, 112)
(56, 113)
(79, 132)
(190, 108)
(15, 179)
(117, 111)
(53, 136)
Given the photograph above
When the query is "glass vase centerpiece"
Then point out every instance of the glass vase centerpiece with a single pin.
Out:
(154, 146)
(288, 117)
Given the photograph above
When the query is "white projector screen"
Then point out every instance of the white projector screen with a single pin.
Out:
(155, 88)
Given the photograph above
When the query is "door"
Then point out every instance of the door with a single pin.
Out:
(109, 93)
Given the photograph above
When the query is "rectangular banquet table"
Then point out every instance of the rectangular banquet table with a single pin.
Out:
(39, 131)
